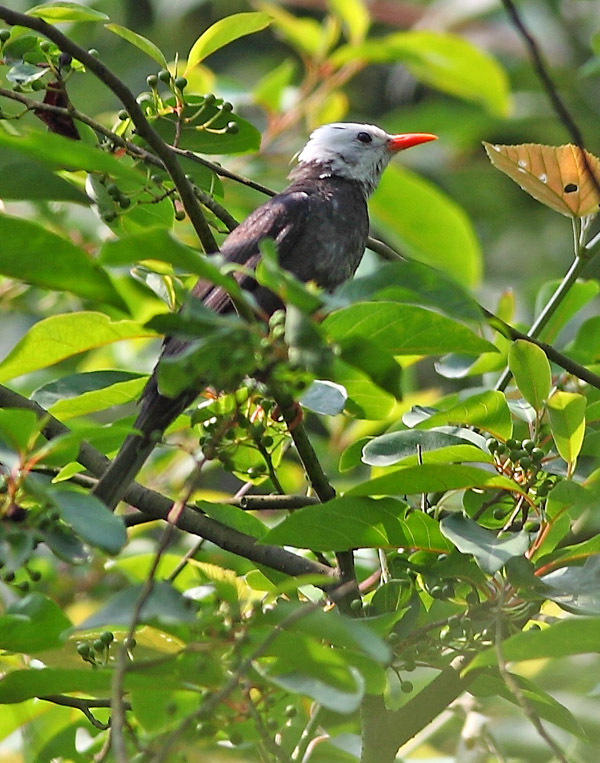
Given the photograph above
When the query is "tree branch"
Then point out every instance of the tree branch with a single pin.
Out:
(164, 152)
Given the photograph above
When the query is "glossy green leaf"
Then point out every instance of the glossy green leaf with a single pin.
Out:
(79, 394)
(351, 522)
(223, 32)
(57, 152)
(388, 449)
(324, 397)
(442, 60)
(433, 478)
(33, 254)
(91, 520)
(450, 244)
(62, 336)
(403, 329)
(580, 635)
(32, 624)
(366, 400)
(485, 410)
(566, 411)
(270, 89)
(59, 12)
(490, 551)
(413, 283)
(576, 589)
(531, 370)
(585, 348)
(25, 178)
(145, 45)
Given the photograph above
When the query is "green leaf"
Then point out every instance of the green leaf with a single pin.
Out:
(270, 89)
(561, 639)
(442, 60)
(57, 152)
(365, 399)
(432, 478)
(576, 589)
(490, 551)
(62, 336)
(18, 428)
(566, 411)
(24, 178)
(354, 16)
(403, 329)
(432, 228)
(484, 410)
(91, 520)
(350, 522)
(192, 136)
(145, 45)
(324, 397)
(392, 447)
(223, 32)
(585, 348)
(33, 624)
(373, 360)
(79, 394)
(412, 283)
(164, 605)
(58, 12)
(487, 685)
(304, 35)
(578, 295)
(33, 254)
(531, 370)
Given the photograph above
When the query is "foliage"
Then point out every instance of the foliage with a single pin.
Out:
(445, 456)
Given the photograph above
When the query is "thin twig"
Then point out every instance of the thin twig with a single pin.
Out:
(515, 689)
(83, 705)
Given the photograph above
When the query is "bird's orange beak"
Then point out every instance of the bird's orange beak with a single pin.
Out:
(400, 142)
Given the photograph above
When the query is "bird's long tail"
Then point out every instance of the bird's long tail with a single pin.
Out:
(157, 413)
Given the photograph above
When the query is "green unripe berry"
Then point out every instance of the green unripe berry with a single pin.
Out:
(514, 455)
(130, 643)
(356, 605)
(267, 441)
(109, 217)
(37, 84)
(537, 454)
(513, 444)
(181, 83)
(180, 214)
(152, 81)
(291, 711)
(35, 575)
(227, 106)
(501, 449)
(112, 189)
(499, 513)
(44, 46)
(233, 128)
(84, 650)
(526, 462)
(98, 645)
(164, 76)
(93, 52)
(124, 202)
(123, 115)
(4, 35)
(406, 687)
(492, 444)
(209, 99)
(528, 445)
(107, 637)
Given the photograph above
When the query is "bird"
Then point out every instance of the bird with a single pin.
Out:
(319, 225)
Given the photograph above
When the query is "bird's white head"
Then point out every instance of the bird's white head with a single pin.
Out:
(355, 151)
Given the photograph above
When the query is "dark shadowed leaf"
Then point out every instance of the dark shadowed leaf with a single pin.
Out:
(91, 520)
(491, 552)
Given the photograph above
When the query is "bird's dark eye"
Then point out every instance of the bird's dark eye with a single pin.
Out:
(364, 137)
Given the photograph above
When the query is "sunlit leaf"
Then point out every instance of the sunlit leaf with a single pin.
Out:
(354, 16)
(558, 176)
(566, 411)
(224, 31)
(145, 45)
(531, 370)
(62, 336)
(58, 12)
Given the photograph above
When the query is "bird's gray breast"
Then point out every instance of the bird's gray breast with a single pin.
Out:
(333, 238)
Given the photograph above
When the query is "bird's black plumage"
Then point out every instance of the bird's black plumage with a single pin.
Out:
(319, 225)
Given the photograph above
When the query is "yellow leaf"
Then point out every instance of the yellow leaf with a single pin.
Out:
(557, 176)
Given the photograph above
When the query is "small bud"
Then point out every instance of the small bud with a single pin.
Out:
(152, 81)
(164, 76)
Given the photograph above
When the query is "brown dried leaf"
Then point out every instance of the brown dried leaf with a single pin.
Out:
(555, 175)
